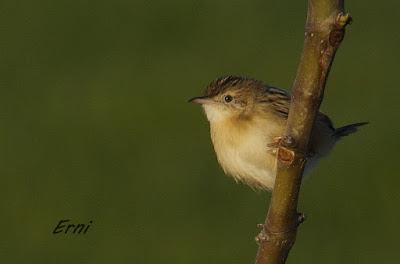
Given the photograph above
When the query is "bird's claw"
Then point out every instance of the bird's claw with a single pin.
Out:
(274, 145)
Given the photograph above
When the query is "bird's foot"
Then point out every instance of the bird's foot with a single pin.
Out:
(274, 145)
(285, 155)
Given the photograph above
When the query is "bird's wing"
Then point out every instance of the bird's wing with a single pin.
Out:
(280, 101)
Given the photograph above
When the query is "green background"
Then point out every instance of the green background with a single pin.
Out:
(94, 125)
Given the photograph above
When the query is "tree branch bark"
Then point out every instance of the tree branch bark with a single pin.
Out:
(324, 32)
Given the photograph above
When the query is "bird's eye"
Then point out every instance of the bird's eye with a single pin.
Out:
(228, 98)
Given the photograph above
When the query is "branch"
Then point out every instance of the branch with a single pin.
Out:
(324, 32)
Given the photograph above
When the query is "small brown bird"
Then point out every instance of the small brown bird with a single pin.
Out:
(247, 118)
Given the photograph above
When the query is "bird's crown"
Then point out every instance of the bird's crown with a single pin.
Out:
(232, 82)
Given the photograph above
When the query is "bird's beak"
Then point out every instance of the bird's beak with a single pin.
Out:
(201, 100)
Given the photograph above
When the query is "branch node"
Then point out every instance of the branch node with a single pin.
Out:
(301, 217)
(336, 36)
(286, 156)
(343, 19)
(261, 237)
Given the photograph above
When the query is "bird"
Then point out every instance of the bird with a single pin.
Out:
(247, 119)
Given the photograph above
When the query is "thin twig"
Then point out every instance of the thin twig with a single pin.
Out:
(324, 32)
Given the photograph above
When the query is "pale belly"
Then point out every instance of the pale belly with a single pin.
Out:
(242, 150)
(247, 158)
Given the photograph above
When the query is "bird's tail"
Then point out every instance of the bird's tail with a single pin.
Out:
(347, 130)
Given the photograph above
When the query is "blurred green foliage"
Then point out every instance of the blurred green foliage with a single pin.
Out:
(95, 126)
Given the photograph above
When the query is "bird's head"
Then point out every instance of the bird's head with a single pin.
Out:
(230, 97)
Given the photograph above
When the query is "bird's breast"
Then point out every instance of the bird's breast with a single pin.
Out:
(242, 152)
